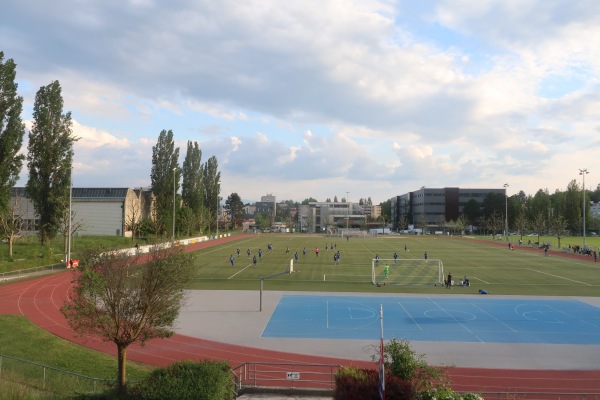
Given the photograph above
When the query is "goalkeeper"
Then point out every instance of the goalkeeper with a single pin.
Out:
(386, 270)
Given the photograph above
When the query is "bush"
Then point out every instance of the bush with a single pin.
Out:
(358, 384)
(186, 380)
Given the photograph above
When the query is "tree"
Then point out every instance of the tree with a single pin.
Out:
(12, 130)
(163, 177)
(493, 203)
(11, 220)
(212, 187)
(127, 299)
(386, 209)
(308, 200)
(472, 211)
(191, 187)
(539, 224)
(572, 207)
(235, 207)
(558, 226)
(68, 225)
(50, 159)
(521, 222)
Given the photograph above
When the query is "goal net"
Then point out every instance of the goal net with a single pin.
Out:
(407, 272)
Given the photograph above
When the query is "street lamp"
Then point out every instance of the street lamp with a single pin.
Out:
(506, 210)
(583, 172)
(174, 198)
(217, 216)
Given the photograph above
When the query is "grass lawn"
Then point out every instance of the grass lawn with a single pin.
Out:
(490, 267)
(21, 339)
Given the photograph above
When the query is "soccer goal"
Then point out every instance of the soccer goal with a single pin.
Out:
(407, 272)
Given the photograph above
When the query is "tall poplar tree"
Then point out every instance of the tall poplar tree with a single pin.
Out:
(164, 178)
(212, 186)
(12, 130)
(191, 187)
(49, 159)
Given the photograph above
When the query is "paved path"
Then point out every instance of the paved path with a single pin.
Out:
(230, 330)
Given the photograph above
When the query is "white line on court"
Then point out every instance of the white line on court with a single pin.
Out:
(558, 276)
(490, 315)
(411, 317)
(243, 269)
(571, 315)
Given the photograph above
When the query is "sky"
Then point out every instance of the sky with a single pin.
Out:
(306, 98)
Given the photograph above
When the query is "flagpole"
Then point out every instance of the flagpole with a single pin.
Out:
(381, 359)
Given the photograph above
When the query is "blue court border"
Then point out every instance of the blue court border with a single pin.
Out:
(439, 319)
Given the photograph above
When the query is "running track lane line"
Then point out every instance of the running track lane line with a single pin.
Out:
(40, 300)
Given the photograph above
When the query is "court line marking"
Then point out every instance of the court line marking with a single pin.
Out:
(455, 320)
(492, 316)
(410, 315)
(571, 316)
(558, 276)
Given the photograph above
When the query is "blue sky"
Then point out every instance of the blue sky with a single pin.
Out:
(319, 98)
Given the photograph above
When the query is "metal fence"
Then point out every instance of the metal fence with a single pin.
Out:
(47, 378)
(28, 272)
(285, 375)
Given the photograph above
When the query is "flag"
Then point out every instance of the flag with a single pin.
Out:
(381, 359)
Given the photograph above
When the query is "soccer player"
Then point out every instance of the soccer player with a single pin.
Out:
(254, 261)
(238, 251)
(248, 252)
(386, 270)
(304, 252)
(395, 257)
(260, 254)
(425, 256)
(317, 251)
(296, 256)
(231, 260)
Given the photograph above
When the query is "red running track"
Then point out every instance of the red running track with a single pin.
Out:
(40, 300)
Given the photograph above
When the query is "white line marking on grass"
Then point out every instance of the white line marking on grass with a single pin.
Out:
(558, 276)
(479, 279)
(241, 270)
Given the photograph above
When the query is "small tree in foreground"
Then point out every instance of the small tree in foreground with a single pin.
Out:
(126, 299)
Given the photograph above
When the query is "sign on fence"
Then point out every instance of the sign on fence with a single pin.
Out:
(294, 376)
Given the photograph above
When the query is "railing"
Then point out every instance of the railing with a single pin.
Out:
(48, 378)
(539, 395)
(19, 273)
(285, 375)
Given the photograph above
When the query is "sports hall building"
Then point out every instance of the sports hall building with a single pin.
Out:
(433, 207)
(95, 211)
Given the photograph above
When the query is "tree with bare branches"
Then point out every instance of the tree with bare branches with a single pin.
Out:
(128, 299)
(11, 220)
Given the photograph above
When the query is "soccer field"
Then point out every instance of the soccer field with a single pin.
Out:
(493, 268)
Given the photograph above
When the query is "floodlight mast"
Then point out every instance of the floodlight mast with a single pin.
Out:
(506, 210)
(583, 172)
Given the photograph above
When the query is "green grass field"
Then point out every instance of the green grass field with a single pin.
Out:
(489, 267)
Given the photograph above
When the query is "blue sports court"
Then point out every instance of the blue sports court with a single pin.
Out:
(442, 319)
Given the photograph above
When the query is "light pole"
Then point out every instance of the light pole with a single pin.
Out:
(583, 172)
(348, 216)
(174, 198)
(68, 260)
(217, 216)
(506, 210)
